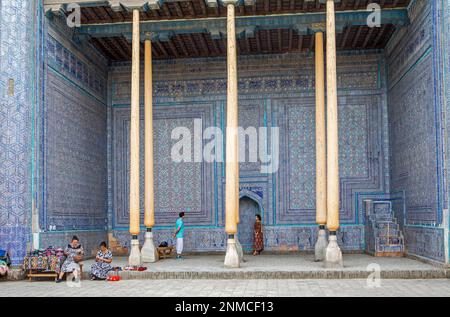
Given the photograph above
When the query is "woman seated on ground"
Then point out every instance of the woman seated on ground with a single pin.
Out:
(101, 267)
(73, 252)
(258, 240)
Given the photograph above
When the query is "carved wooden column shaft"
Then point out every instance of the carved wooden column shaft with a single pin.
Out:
(332, 124)
(149, 218)
(135, 255)
(134, 130)
(232, 123)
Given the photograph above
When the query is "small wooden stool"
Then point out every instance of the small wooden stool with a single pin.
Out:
(164, 252)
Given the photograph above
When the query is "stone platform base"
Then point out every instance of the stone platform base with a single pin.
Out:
(271, 266)
(295, 266)
(280, 275)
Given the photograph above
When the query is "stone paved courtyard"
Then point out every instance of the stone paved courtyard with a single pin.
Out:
(143, 284)
(273, 262)
(230, 288)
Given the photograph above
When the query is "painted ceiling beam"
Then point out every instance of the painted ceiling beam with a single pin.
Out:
(55, 6)
(304, 23)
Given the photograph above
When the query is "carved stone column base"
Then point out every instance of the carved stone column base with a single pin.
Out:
(232, 256)
(149, 254)
(321, 245)
(333, 254)
(135, 254)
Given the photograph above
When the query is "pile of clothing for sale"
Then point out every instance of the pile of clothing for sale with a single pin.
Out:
(5, 262)
(49, 259)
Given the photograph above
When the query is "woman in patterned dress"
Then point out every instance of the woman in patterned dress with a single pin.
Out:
(101, 267)
(258, 241)
(69, 265)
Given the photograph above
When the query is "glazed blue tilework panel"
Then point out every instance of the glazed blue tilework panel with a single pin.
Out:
(75, 158)
(17, 20)
(445, 59)
(350, 238)
(74, 135)
(446, 66)
(415, 120)
(274, 91)
(427, 242)
(359, 157)
(181, 186)
(413, 131)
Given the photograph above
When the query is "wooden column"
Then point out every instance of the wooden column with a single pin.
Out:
(237, 188)
(232, 123)
(149, 252)
(232, 257)
(333, 254)
(332, 124)
(134, 258)
(149, 200)
(321, 151)
(239, 249)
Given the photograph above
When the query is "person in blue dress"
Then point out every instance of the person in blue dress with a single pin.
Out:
(179, 234)
(102, 265)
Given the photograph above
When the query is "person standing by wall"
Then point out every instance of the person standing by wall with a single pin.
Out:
(179, 234)
(258, 240)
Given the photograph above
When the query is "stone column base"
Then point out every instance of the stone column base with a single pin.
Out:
(231, 256)
(321, 245)
(333, 254)
(149, 254)
(135, 254)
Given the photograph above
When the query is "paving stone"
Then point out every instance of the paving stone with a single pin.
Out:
(251, 288)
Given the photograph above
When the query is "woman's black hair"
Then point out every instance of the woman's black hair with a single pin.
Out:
(75, 238)
(103, 244)
(259, 217)
(181, 214)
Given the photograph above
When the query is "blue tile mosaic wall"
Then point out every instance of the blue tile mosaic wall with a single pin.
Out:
(17, 79)
(70, 156)
(74, 134)
(71, 192)
(274, 91)
(415, 121)
(445, 60)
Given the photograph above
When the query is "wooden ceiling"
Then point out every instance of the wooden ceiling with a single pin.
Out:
(198, 9)
(264, 42)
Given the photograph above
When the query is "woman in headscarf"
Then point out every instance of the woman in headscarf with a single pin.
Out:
(258, 241)
(73, 252)
(102, 265)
